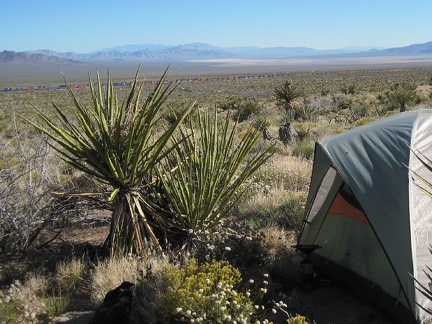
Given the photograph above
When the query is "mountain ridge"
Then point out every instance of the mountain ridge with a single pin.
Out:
(200, 51)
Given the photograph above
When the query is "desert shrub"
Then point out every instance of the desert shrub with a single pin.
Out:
(344, 103)
(344, 89)
(354, 113)
(232, 239)
(325, 91)
(205, 293)
(230, 103)
(27, 177)
(304, 149)
(246, 110)
(292, 210)
(380, 109)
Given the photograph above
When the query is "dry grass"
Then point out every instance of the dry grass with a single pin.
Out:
(281, 256)
(109, 274)
(70, 276)
(278, 193)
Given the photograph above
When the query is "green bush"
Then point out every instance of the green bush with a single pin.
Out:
(205, 293)
(304, 149)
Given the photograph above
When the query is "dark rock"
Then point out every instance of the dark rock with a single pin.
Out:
(116, 305)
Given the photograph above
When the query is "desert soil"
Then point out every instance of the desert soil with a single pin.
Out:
(326, 304)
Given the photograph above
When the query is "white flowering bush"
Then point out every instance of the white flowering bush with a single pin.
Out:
(206, 293)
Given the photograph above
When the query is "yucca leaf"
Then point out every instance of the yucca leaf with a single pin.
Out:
(113, 194)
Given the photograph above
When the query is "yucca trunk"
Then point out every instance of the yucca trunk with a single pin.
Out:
(130, 230)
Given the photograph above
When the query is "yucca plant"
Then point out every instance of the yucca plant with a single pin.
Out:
(402, 95)
(285, 93)
(117, 145)
(210, 170)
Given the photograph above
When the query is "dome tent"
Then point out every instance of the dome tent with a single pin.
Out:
(366, 210)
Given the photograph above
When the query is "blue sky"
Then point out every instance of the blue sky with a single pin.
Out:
(88, 25)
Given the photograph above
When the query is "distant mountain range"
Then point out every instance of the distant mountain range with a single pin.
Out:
(200, 51)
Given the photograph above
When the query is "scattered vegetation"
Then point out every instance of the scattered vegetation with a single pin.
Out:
(198, 196)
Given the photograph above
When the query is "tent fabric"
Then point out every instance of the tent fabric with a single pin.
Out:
(374, 161)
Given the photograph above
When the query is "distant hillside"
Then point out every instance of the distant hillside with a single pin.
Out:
(22, 57)
(202, 51)
(425, 48)
(195, 51)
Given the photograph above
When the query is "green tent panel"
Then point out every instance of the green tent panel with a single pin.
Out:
(366, 209)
